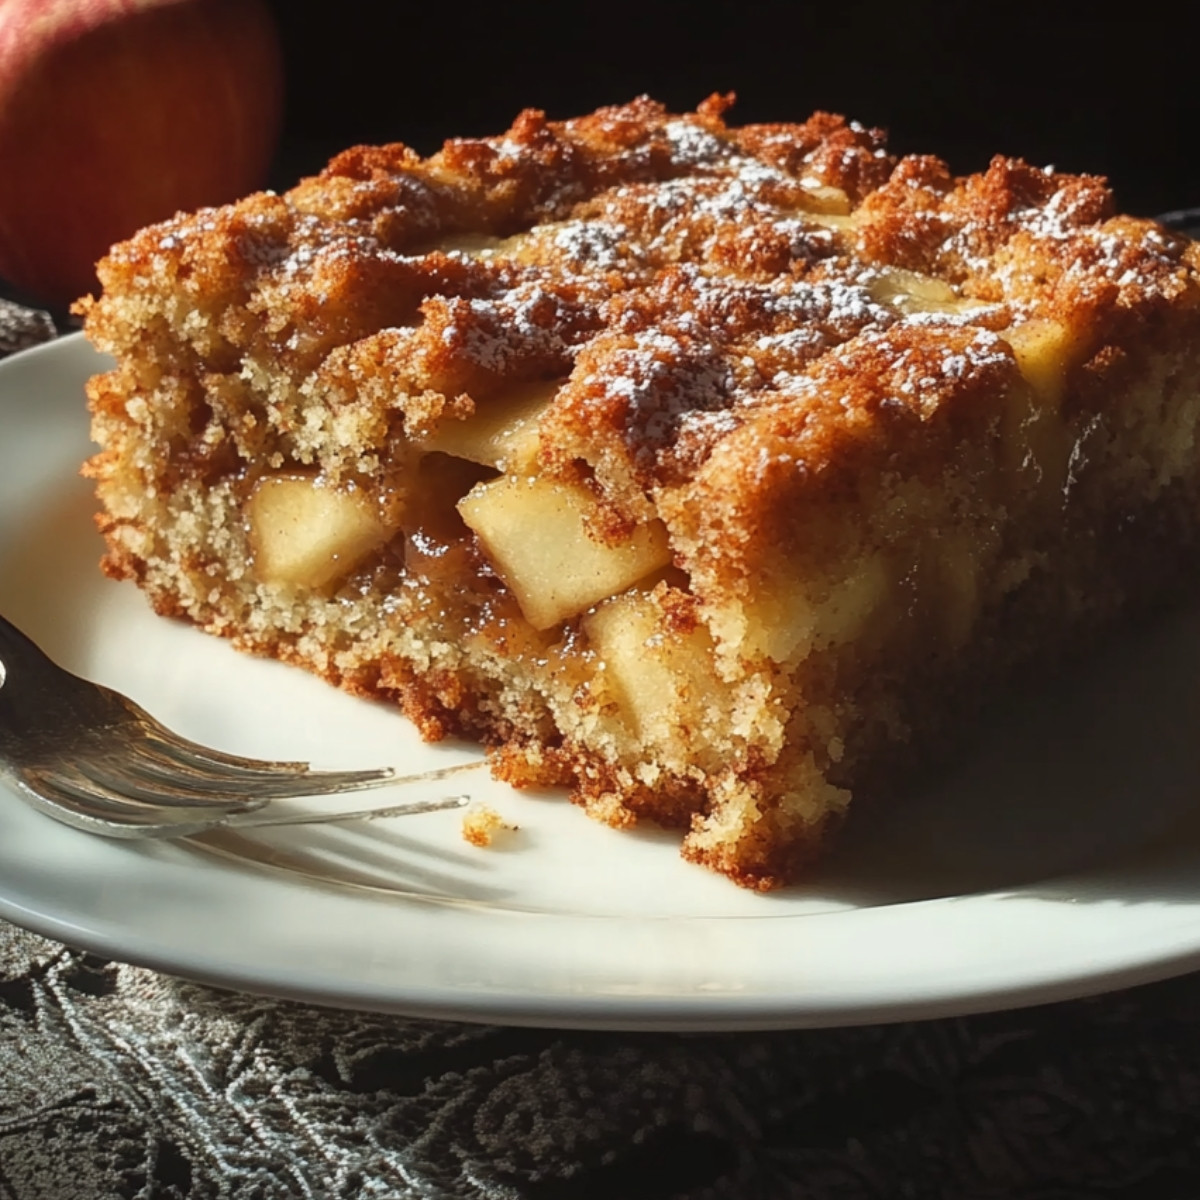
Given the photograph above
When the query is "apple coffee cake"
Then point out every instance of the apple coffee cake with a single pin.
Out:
(703, 470)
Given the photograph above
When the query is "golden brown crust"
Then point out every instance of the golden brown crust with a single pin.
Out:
(674, 329)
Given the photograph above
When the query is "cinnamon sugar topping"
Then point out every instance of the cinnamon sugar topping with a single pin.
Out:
(752, 254)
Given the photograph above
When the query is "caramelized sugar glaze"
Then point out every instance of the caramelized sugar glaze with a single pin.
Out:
(695, 467)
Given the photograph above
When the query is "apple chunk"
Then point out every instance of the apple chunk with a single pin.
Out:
(309, 534)
(660, 676)
(502, 432)
(1044, 349)
(535, 531)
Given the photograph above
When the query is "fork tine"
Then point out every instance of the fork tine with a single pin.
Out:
(121, 791)
(165, 791)
(179, 751)
(215, 770)
(404, 809)
(180, 755)
(70, 796)
(167, 782)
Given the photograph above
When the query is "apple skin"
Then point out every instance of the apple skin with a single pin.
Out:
(115, 114)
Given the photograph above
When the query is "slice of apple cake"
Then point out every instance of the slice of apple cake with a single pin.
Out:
(700, 469)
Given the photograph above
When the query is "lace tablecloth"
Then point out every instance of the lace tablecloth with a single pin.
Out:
(116, 1081)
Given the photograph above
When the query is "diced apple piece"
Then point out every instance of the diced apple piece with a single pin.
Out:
(658, 676)
(912, 292)
(471, 245)
(788, 617)
(535, 531)
(839, 222)
(308, 534)
(501, 433)
(821, 198)
(1035, 442)
(1044, 350)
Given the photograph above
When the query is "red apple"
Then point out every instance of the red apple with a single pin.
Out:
(118, 113)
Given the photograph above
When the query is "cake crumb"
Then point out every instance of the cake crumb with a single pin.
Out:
(481, 823)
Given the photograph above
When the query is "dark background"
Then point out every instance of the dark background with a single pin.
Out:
(1113, 95)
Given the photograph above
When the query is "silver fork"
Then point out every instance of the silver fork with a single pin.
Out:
(92, 758)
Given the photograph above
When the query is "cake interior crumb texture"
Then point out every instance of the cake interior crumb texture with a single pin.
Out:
(707, 471)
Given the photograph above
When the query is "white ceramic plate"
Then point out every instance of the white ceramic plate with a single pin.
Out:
(1061, 857)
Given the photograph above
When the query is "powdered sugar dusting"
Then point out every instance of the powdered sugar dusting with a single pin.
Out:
(524, 322)
(692, 145)
(694, 282)
(665, 383)
(594, 245)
